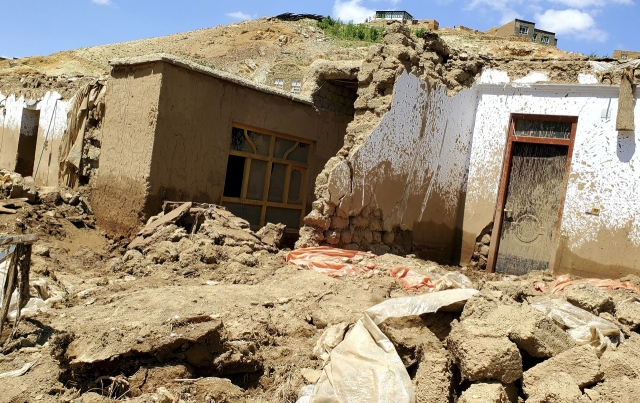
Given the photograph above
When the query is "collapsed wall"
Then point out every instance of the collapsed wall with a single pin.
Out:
(404, 149)
(35, 112)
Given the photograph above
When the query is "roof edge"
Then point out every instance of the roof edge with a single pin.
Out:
(189, 65)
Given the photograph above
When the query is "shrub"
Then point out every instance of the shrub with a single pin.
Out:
(350, 31)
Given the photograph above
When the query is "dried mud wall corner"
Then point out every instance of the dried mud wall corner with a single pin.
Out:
(195, 118)
(397, 184)
(128, 134)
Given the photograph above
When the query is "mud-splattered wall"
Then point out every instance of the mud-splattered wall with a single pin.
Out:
(603, 173)
(52, 123)
(409, 174)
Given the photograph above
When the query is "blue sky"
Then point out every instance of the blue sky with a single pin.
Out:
(42, 27)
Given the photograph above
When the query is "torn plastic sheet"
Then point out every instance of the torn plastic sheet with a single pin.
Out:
(330, 261)
(41, 300)
(583, 327)
(365, 367)
(564, 281)
(410, 280)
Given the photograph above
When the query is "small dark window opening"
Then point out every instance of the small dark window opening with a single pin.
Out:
(26, 155)
(235, 174)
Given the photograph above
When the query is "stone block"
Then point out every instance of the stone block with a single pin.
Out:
(339, 222)
(388, 238)
(628, 313)
(484, 357)
(623, 361)
(345, 237)
(316, 219)
(580, 363)
(491, 392)
(376, 237)
(559, 387)
(332, 237)
(590, 298)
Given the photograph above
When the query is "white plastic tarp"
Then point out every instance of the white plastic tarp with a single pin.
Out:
(365, 367)
(583, 327)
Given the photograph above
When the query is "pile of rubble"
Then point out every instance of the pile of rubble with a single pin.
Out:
(513, 343)
(189, 237)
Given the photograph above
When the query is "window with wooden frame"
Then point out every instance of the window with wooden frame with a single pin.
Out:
(267, 176)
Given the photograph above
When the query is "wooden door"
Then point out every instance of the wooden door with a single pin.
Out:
(532, 194)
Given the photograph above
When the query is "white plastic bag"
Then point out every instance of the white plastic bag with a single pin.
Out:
(583, 327)
(365, 367)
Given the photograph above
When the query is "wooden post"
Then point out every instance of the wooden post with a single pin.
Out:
(17, 277)
(625, 120)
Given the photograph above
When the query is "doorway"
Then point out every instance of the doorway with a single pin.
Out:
(26, 155)
(531, 194)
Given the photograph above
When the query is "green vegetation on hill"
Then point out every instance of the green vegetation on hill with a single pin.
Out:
(350, 31)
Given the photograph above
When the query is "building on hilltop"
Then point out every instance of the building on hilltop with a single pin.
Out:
(526, 29)
(625, 54)
(402, 16)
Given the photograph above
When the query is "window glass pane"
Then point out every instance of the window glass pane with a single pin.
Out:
(249, 212)
(257, 176)
(234, 176)
(260, 141)
(276, 185)
(300, 153)
(295, 185)
(288, 217)
(534, 128)
(282, 146)
(239, 142)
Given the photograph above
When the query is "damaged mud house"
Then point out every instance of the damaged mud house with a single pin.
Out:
(177, 202)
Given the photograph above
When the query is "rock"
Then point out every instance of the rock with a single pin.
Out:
(515, 290)
(246, 259)
(218, 390)
(164, 396)
(580, 363)
(535, 333)
(311, 376)
(493, 392)
(411, 338)
(148, 380)
(628, 313)
(590, 298)
(486, 239)
(49, 196)
(621, 390)
(623, 361)
(559, 387)
(529, 329)
(433, 382)
(164, 251)
(92, 397)
(41, 250)
(71, 198)
(271, 234)
(484, 357)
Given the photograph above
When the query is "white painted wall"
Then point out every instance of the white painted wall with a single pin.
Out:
(52, 125)
(604, 172)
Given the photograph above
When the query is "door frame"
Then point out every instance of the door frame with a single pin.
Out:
(506, 169)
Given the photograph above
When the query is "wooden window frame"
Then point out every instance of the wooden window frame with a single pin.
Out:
(512, 139)
(291, 165)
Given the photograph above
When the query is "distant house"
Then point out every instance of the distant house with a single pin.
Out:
(625, 54)
(527, 29)
(403, 16)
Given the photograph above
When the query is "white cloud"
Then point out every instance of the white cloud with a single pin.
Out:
(571, 22)
(239, 15)
(102, 2)
(506, 8)
(351, 10)
(590, 3)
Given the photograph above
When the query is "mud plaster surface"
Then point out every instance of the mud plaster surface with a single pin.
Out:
(413, 165)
